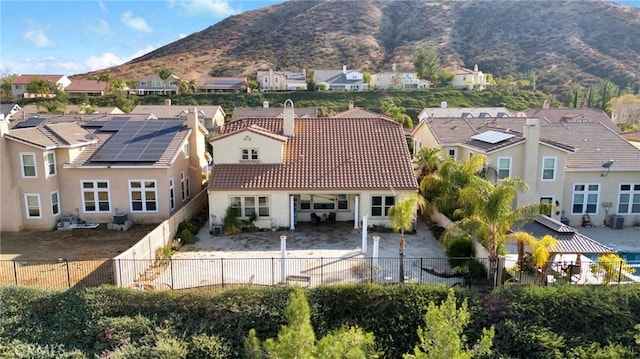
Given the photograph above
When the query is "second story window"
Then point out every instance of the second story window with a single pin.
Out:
(28, 164)
(548, 168)
(50, 164)
(249, 153)
(504, 167)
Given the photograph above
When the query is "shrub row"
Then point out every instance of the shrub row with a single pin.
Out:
(531, 322)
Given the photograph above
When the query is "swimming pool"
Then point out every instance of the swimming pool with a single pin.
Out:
(630, 257)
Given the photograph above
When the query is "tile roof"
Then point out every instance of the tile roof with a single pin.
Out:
(358, 112)
(452, 112)
(164, 111)
(270, 112)
(25, 79)
(87, 86)
(571, 115)
(569, 240)
(593, 142)
(326, 154)
(207, 81)
(464, 71)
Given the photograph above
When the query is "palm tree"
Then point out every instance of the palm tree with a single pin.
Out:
(403, 215)
(426, 162)
(539, 250)
(164, 74)
(492, 214)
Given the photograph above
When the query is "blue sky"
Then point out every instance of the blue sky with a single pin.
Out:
(77, 36)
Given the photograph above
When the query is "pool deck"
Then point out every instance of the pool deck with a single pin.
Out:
(622, 240)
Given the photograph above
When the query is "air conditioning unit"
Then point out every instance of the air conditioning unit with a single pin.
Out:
(120, 218)
(616, 221)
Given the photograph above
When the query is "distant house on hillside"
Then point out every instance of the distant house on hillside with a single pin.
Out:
(271, 112)
(208, 83)
(445, 112)
(340, 80)
(573, 115)
(20, 83)
(78, 88)
(470, 79)
(211, 117)
(282, 80)
(152, 84)
(397, 79)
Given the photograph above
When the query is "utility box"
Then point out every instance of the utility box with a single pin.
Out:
(616, 221)
(120, 218)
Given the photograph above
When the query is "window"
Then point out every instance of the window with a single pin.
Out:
(380, 205)
(143, 83)
(95, 196)
(186, 150)
(585, 198)
(470, 154)
(182, 187)
(32, 205)
(266, 80)
(546, 205)
(548, 168)
(172, 194)
(251, 205)
(324, 201)
(629, 198)
(50, 163)
(187, 185)
(249, 154)
(504, 167)
(143, 196)
(55, 203)
(28, 164)
(452, 154)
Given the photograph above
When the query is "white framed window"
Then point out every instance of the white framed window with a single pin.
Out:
(143, 195)
(585, 198)
(324, 202)
(249, 153)
(95, 196)
(172, 194)
(629, 198)
(32, 205)
(452, 153)
(186, 149)
(548, 168)
(50, 163)
(55, 203)
(28, 165)
(251, 205)
(504, 168)
(380, 205)
(187, 183)
(183, 193)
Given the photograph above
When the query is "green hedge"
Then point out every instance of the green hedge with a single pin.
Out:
(531, 322)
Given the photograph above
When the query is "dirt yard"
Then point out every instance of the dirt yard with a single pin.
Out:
(64, 259)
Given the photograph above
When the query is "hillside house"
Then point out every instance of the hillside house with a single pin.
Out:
(469, 79)
(282, 80)
(463, 112)
(282, 170)
(20, 83)
(211, 117)
(91, 88)
(398, 79)
(580, 168)
(340, 80)
(152, 84)
(97, 167)
(208, 84)
(271, 112)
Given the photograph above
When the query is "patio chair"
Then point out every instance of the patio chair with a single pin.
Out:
(332, 218)
(315, 219)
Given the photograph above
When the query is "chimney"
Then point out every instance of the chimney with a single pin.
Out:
(546, 105)
(265, 104)
(288, 118)
(350, 105)
(475, 68)
(167, 102)
(344, 69)
(393, 67)
(531, 133)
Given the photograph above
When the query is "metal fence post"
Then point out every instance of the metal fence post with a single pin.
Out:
(321, 270)
(15, 272)
(273, 272)
(421, 266)
(68, 272)
(620, 272)
(171, 270)
(222, 270)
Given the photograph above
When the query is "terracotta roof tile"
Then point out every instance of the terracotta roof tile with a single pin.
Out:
(326, 153)
(87, 86)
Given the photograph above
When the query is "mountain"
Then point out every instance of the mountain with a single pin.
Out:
(562, 41)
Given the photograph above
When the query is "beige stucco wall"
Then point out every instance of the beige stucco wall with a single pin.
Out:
(269, 150)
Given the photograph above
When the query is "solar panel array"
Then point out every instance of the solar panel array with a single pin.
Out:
(492, 136)
(115, 124)
(138, 141)
(30, 122)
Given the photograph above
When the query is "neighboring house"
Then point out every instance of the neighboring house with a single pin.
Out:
(19, 85)
(211, 117)
(397, 79)
(208, 83)
(281, 170)
(633, 137)
(572, 115)
(282, 80)
(7, 110)
(345, 80)
(90, 88)
(152, 84)
(463, 112)
(70, 109)
(270, 112)
(579, 168)
(358, 112)
(95, 167)
(469, 79)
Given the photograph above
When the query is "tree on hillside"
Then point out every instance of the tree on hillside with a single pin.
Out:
(574, 96)
(625, 108)
(366, 77)
(403, 216)
(164, 74)
(442, 335)
(445, 77)
(533, 79)
(427, 63)
(390, 109)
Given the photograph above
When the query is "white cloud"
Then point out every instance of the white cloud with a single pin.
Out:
(109, 59)
(136, 23)
(38, 39)
(103, 7)
(218, 9)
(101, 28)
(46, 65)
(182, 36)
(145, 50)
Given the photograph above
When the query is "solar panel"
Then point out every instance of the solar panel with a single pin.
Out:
(114, 124)
(138, 141)
(492, 136)
(95, 124)
(30, 122)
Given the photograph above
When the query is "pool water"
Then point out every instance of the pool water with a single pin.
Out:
(630, 257)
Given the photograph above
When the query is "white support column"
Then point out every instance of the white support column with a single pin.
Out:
(356, 213)
(376, 244)
(364, 233)
(292, 210)
(283, 258)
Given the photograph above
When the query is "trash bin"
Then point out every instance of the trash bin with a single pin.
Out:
(616, 221)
